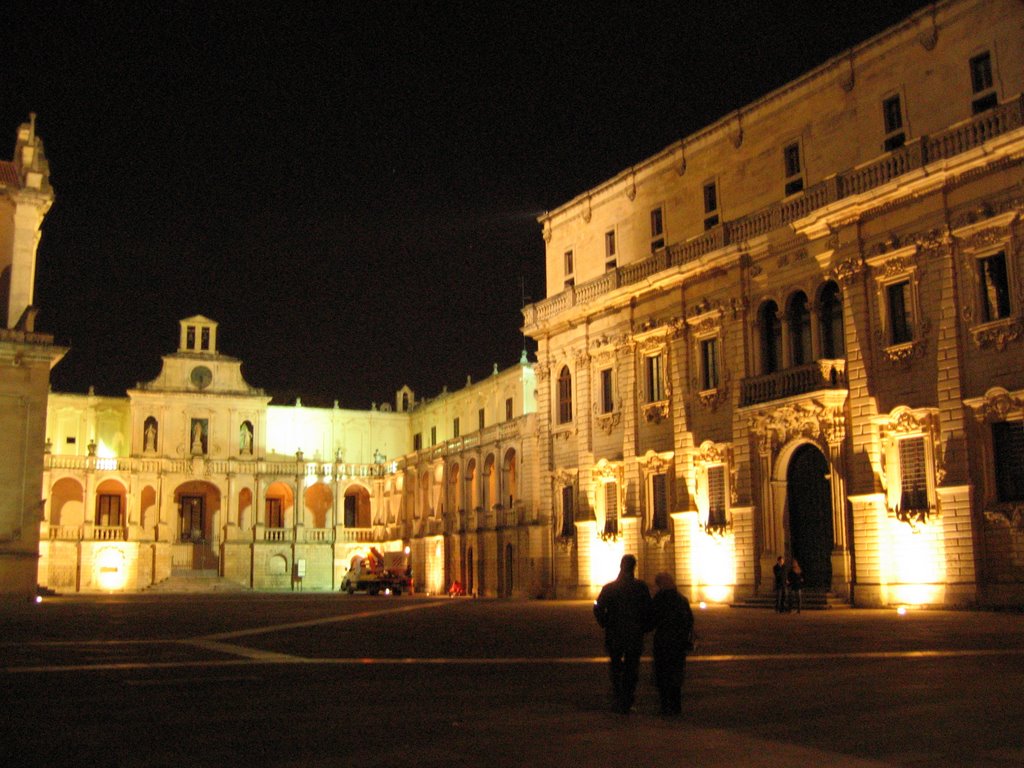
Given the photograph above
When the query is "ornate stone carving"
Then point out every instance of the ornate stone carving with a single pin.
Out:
(587, 212)
(846, 76)
(607, 422)
(996, 405)
(655, 413)
(710, 399)
(846, 271)
(998, 334)
(547, 231)
(778, 426)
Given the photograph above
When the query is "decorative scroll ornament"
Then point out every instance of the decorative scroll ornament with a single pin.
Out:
(996, 405)
(655, 413)
(607, 422)
(779, 426)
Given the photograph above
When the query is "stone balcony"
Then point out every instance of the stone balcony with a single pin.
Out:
(798, 380)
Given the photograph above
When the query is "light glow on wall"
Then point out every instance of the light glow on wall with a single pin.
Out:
(111, 573)
(714, 559)
(914, 571)
(605, 557)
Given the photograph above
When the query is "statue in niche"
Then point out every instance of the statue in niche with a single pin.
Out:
(378, 457)
(245, 439)
(150, 434)
(198, 436)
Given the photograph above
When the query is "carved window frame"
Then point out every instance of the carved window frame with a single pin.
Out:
(997, 406)
(708, 456)
(566, 480)
(654, 464)
(976, 243)
(891, 269)
(653, 404)
(606, 474)
(904, 423)
(704, 327)
(606, 421)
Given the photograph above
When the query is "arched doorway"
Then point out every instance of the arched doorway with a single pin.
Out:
(809, 500)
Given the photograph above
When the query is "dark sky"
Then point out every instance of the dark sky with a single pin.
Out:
(351, 188)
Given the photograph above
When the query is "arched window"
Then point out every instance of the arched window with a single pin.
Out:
(771, 336)
(564, 396)
(830, 316)
(799, 320)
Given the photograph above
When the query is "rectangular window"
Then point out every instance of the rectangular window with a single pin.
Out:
(275, 515)
(433, 435)
(716, 496)
(70, 440)
(791, 162)
(982, 84)
(710, 205)
(455, 427)
(204, 335)
(709, 363)
(108, 510)
(657, 230)
(568, 515)
(607, 395)
(611, 509)
(901, 318)
(609, 244)
(659, 502)
(655, 386)
(1008, 449)
(913, 476)
(190, 337)
(569, 266)
(417, 441)
(995, 288)
(892, 117)
(508, 409)
(480, 417)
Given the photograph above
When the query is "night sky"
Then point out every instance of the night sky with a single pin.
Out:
(351, 188)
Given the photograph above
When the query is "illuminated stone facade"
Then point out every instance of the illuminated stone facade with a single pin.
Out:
(26, 358)
(799, 331)
(195, 473)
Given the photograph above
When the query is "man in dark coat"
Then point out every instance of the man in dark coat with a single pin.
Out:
(623, 609)
(672, 622)
(779, 572)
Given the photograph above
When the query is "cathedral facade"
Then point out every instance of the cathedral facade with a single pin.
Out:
(797, 332)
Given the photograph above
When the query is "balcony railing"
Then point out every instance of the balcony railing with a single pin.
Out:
(955, 140)
(823, 374)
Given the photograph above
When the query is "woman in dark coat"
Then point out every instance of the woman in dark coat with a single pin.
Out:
(672, 622)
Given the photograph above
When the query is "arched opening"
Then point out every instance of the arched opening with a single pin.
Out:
(111, 505)
(278, 505)
(357, 507)
(471, 484)
(198, 505)
(564, 396)
(830, 317)
(318, 501)
(245, 509)
(510, 472)
(150, 515)
(771, 336)
(798, 318)
(490, 483)
(809, 503)
(455, 496)
(67, 508)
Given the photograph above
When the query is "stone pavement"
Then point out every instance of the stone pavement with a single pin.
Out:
(325, 680)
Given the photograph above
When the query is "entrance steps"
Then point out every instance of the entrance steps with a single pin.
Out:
(812, 601)
(185, 581)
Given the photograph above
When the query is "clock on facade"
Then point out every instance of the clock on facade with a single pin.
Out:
(201, 376)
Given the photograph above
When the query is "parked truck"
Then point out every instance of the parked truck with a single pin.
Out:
(378, 573)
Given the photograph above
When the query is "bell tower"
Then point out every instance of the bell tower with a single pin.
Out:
(198, 336)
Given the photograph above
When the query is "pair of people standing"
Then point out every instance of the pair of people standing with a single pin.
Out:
(625, 610)
(789, 584)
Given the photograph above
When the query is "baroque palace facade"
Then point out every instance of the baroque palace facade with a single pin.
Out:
(797, 331)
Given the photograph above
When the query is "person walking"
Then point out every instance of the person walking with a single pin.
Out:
(672, 622)
(780, 584)
(623, 610)
(796, 584)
